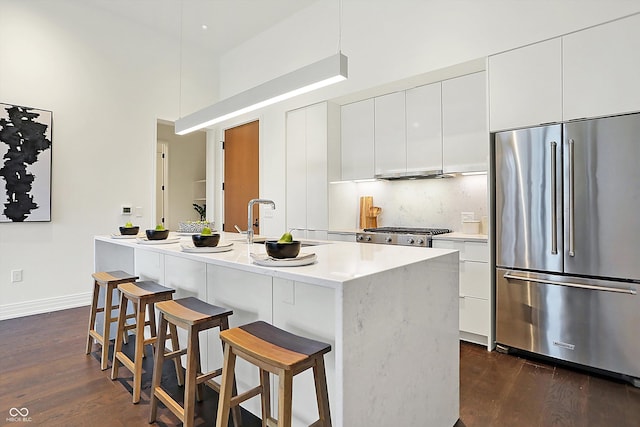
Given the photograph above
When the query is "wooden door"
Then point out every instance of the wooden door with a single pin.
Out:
(241, 179)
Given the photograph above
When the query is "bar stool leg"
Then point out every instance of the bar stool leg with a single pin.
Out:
(175, 345)
(322, 395)
(236, 414)
(193, 365)
(139, 351)
(106, 330)
(117, 345)
(157, 371)
(228, 378)
(285, 394)
(92, 315)
(265, 397)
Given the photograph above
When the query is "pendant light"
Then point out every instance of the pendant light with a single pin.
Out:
(314, 76)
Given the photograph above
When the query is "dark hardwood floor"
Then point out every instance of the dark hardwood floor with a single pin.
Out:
(43, 368)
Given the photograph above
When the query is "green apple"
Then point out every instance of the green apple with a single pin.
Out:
(128, 225)
(159, 227)
(206, 231)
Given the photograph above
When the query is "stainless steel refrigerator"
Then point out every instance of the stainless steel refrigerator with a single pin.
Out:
(567, 206)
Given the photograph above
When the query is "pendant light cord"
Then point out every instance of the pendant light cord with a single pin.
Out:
(339, 26)
(180, 62)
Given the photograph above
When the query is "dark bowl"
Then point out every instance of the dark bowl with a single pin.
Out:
(129, 231)
(201, 241)
(157, 234)
(276, 249)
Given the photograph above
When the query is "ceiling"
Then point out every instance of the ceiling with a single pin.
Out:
(228, 22)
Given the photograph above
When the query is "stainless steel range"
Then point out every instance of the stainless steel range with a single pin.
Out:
(405, 236)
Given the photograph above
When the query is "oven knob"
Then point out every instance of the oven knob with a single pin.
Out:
(411, 241)
(389, 239)
(368, 238)
(360, 238)
(420, 242)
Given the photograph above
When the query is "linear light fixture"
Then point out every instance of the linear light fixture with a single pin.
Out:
(311, 77)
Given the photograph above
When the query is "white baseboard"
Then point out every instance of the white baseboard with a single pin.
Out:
(27, 308)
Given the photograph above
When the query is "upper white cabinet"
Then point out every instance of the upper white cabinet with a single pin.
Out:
(602, 70)
(357, 143)
(525, 86)
(390, 153)
(589, 73)
(424, 128)
(465, 142)
(312, 153)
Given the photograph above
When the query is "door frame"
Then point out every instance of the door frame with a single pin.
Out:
(164, 166)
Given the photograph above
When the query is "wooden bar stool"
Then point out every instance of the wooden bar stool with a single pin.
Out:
(281, 353)
(194, 316)
(143, 295)
(108, 280)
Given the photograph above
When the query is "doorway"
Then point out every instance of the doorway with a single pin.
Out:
(241, 175)
(162, 160)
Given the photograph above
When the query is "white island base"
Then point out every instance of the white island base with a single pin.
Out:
(390, 314)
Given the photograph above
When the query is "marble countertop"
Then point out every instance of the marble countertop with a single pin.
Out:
(337, 262)
(462, 237)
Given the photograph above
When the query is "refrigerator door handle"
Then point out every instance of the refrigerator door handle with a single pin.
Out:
(572, 237)
(512, 276)
(554, 215)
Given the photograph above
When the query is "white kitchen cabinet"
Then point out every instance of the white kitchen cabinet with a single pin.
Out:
(249, 296)
(296, 169)
(341, 236)
(390, 135)
(525, 86)
(357, 142)
(424, 128)
(475, 288)
(465, 140)
(311, 153)
(298, 306)
(602, 69)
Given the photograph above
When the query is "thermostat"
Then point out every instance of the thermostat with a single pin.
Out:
(126, 210)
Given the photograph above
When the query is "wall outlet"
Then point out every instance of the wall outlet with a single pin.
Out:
(467, 216)
(16, 276)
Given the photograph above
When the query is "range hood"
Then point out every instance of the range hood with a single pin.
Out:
(418, 174)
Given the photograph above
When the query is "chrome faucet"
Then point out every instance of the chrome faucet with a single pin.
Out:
(250, 216)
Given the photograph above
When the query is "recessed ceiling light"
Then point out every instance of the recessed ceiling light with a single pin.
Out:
(204, 26)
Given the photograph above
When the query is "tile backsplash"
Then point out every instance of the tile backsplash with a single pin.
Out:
(410, 203)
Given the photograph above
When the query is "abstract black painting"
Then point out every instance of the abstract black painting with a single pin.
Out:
(25, 171)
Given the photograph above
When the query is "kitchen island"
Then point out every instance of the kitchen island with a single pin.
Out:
(390, 314)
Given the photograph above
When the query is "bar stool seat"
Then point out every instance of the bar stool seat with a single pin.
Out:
(194, 316)
(281, 353)
(143, 295)
(108, 280)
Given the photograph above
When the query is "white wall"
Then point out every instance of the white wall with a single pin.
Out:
(389, 41)
(107, 81)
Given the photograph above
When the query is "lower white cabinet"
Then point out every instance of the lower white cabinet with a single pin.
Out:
(474, 290)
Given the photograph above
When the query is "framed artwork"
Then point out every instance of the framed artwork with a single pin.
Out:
(25, 164)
